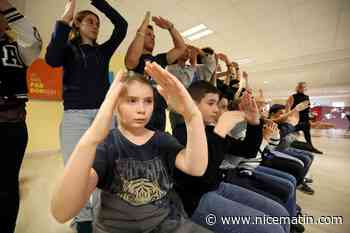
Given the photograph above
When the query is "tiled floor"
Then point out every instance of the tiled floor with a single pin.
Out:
(331, 174)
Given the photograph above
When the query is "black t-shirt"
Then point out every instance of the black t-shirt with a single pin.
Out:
(158, 119)
(137, 174)
(229, 91)
(137, 185)
(159, 58)
(298, 98)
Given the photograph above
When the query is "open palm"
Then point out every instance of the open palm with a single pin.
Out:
(172, 90)
(161, 22)
(249, 107)
(69, 11)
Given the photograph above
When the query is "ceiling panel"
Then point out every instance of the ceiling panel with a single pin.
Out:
(316, 23)
(343, 29)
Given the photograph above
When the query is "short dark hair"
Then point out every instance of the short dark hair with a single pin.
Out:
(206, 50)
(223, 95)
(199, 89)
(275, 108)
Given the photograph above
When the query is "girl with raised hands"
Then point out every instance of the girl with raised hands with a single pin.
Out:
(132, 165)
(85, 63)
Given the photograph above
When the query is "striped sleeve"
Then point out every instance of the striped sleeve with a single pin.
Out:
(274, 142)
(27, 36)
(12, 15)
(263, 145)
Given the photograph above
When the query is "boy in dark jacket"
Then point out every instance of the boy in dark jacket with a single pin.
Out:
(206, 97)
(208, 194)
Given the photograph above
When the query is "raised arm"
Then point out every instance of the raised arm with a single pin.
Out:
(179, 43)
(120, 26)
(241, 86)
(227, 73)
(289, 104)
(56, 49)
(300, 107)
(245, 78)
(271, 135)
(249, 111)
(79, 178)
(194, 52)
(192, 160)
(27, 36)
(136, 47)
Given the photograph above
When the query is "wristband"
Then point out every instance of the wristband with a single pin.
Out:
(171, 27)
(140, 33)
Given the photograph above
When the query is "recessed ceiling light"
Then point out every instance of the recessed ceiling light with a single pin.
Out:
(200, 35)
(193, 30)
(266, 82)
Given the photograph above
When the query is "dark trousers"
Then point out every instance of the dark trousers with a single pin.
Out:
(305, 127)
(286, 165)
(276, 188)
(306, 157)
(13, 142)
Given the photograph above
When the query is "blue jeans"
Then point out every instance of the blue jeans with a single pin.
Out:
(74, 124)
(280, 161)
(277, 173)
(305, 156)
(285, 180)
(232, 200)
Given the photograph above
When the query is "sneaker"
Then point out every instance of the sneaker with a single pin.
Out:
(297, 228)
(306, 189)
(308, 180)
(314, 150)
(84, 227)
(298, 210)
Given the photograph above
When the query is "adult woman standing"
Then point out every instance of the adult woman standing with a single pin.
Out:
(85, 74)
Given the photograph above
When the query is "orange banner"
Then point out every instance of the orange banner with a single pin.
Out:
(44, 82)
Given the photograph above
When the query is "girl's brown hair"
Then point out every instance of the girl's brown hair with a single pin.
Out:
(74, 35)
(130, 77)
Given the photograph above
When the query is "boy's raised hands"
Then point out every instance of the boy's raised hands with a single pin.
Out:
(249, 107)
(227, 121)
(173, 91)
(145, 22)
(162, 23)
